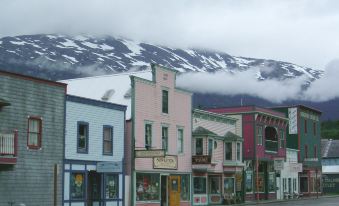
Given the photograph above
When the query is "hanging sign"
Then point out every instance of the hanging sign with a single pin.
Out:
(166, 162)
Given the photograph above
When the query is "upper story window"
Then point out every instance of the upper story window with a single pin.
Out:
(282, 139)
(210, 147)
(82, 139)
(199, 146)
(148, 136)
(165, 138)
(315, 151)
(238, 151)
(305, 126)
(228, 150)
(165, 101)
(108, 140)
(259, 135)
(180, 143)
(34, 133)
(314, 128)
(306, 151)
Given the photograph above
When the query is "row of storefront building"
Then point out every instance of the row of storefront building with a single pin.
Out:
(134, 139)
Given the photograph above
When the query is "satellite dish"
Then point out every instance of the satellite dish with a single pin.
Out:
(108, 94)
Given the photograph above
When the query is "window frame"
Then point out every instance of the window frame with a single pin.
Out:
(238, 152)
(233, 185)
(80, 150)
(305, 151)
(164, 101)
(84, 185)
(315, 151)
(314, 128)
(261, 137)
(39, 133)
(202, 146)
(210, 147)
(205, 190)
(116, 177)
(305, 126)
(282, 138)
(180, 140)
(162, 138)
(103, 139)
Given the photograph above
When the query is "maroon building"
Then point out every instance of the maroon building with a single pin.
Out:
(264, 133)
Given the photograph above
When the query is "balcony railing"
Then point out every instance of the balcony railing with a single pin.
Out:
(201, 159)
(8, 148)
(271, 146)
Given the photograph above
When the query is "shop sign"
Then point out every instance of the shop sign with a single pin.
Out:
(330, 183)
(109, 167)
(149, 153)
(201, 159)
(296, 167)
(278, 164)
(238, 178)
(166, 162)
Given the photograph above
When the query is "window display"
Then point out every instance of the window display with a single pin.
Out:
(229, 185)
(199, 185)
(185, 187)
(249, 181)
(214, 185)
(271, 182)
(112, 185)
(77, 185)
(147, 187)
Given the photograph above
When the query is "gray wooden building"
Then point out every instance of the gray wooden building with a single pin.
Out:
(32, 121)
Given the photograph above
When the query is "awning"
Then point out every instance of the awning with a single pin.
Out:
(4, 103)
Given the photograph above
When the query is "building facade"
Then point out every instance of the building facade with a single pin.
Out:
(94, 153)
(161, 140)
(330, 166)
(304, 135)
(217, 162)
(31, 140)
(264, 133)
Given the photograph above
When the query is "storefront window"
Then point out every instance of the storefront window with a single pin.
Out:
(249, 181)
(147, 187)
(112, 185)
(261, 183)
(199, 185)
(185, 187)
(214, 185)
(271, 182)
(229, 185)
(77, 185)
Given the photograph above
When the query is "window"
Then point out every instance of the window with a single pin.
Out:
(199, 185)
(282, 139)
(165, 138)
(284, 185)
(147, 187)
(34, 133)
(229, 185)
(82, 143)
(306, 151)
(228, 150)
(198, 146)
(271, 182)
(112, 186)
(259, 135)
(185, 187)
(165, 101)
(148, 136)
(294, 184)
(315, 151)
(210, 147)
(249, 181)
(108, 140)
(238, 151)
(214, 185)
(180, 143)
(77, 185)
(305, 124)
(314, 128)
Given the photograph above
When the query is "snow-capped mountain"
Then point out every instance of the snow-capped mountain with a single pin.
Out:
(61, 57)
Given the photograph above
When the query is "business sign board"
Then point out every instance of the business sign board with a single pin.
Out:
(278, 164)
(295, 167)
(166, 162)
(103, 167)
(293, 120)
(149, 153)
(201, 159)
(330, 183)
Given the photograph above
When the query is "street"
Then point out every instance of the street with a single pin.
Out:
(324, 201)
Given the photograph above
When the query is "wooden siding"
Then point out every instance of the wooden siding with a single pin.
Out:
(33, 173)
(96, 117)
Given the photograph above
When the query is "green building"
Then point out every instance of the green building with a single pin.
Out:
(304, 135)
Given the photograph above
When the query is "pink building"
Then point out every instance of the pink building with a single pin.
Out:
(160, 140)
(264, 133)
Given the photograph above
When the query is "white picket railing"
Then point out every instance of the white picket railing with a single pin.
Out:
(7, 144)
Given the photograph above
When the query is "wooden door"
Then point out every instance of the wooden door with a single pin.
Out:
(174, 184)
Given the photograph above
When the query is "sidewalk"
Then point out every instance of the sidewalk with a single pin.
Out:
(285, 200)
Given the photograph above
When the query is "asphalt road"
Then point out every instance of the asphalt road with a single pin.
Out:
(323, 201)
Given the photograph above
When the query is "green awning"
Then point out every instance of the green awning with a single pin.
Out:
(4, 102)
(232, 137)
(201, 131)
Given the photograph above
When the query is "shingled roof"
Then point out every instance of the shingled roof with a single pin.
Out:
(330, 148)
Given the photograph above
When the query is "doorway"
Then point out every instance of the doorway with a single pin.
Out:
(174, 190)
(164, 197)
(94, 188)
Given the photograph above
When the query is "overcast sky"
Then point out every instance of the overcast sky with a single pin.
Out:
(305, 32)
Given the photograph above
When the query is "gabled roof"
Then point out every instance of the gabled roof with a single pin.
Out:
(201, 131)
(232, 137)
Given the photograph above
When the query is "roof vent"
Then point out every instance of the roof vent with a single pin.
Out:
(108, 94)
